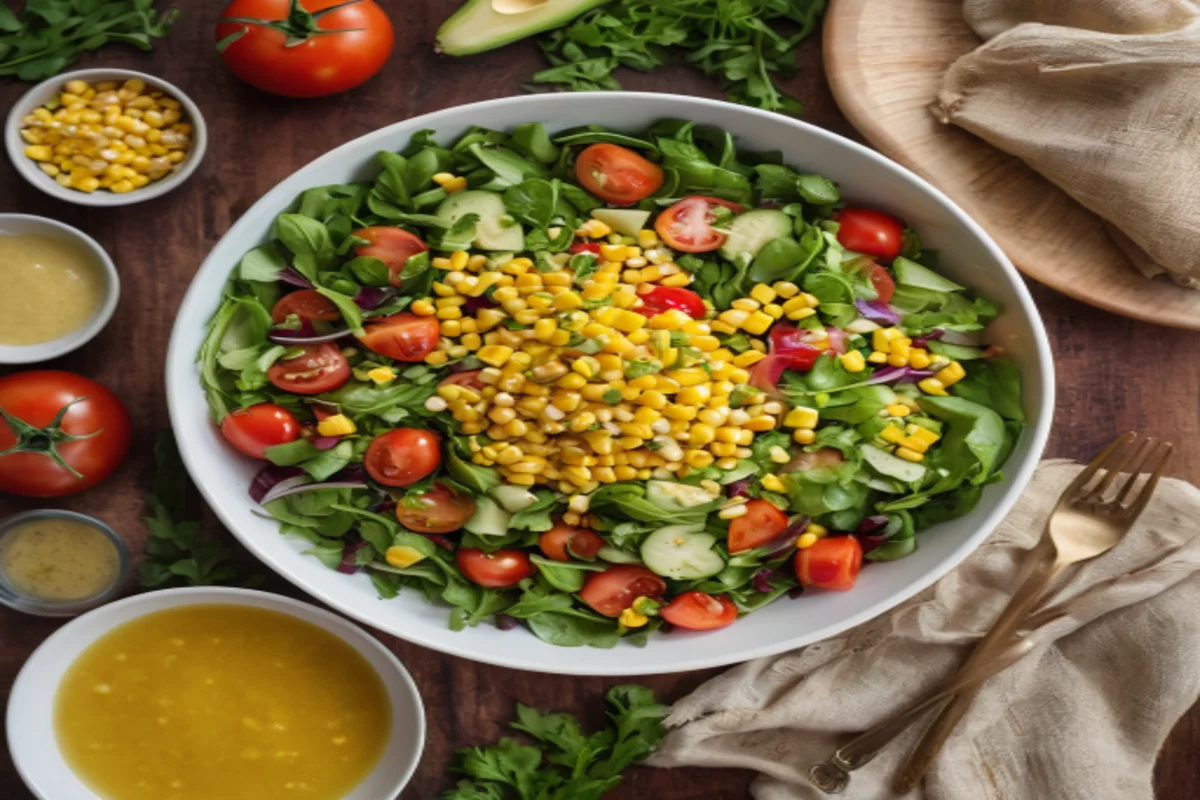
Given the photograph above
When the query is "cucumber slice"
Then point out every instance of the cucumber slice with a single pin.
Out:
(892, 466)
(682, 552)
(750, 232)
(615, 555)
(627, 221)
(513, 498)
(910, 273)
(494, 230)
(489, 518)
(672, 496)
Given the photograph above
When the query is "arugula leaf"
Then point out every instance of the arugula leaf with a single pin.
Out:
(536, 517)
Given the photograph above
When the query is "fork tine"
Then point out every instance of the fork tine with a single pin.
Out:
(1135, 453)
(1088, 472)
(1138, 503)
(1136, 468)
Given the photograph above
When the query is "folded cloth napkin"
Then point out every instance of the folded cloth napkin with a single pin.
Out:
(1080, 718)
(1100, 97)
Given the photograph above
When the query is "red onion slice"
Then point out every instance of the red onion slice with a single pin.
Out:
(762, 581)
(348, 567)
(788, 537)
(370, 298)
(290, 337)
(325, 442)
(293, 277)
(269, 477)
(877, 312)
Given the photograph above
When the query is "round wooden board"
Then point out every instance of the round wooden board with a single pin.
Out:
(885, 60)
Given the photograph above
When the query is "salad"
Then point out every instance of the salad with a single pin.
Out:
(601, 384)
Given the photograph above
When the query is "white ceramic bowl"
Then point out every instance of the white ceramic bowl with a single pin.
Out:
(17, 224)
(30, 719)
(968, 256)
(48, 89)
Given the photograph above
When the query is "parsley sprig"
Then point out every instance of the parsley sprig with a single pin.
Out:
(50, 34)
(563, 763)
(736, 41)
(176, 552)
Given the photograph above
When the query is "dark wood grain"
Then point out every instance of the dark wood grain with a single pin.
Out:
(1113, 373)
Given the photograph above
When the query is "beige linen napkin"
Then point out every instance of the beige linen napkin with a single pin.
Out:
(1102, 97)
(1079, 719)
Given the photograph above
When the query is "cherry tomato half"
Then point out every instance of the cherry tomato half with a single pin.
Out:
(787, 341)
(392, 246)
(698, 611)
(94, 415)
(403, 456)
(563, 541)
(617, 175)
(404, 336)
(831, 563)
(305, 304)
(319, 368)
(871, 232)
(497, 570)
(441, 510)
(665, 298)
(357, 42)
(687, 226)
(614, 590)
(254, 429)
(578, 248)
(761, 523)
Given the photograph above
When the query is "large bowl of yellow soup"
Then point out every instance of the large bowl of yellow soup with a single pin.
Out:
(194, 694)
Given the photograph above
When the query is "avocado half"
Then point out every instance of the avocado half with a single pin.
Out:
(477, 26)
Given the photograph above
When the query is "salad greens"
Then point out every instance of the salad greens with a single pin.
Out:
(736, 41)
(885, 410)
(563, 763)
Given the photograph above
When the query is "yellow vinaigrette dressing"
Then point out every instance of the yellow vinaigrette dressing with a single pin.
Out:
(221, 701)
(58, 560)
(51, 287)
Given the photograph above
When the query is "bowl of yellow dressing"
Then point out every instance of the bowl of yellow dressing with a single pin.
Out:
(59, 563)
(59, 288)
(193, 694)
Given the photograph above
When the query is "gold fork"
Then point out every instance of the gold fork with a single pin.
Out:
(1087, 521)
(1082, 526)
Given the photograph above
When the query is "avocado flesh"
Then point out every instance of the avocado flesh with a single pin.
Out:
(477, 26)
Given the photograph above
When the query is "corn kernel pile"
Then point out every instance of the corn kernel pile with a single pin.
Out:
(107, 136)
(654, 398)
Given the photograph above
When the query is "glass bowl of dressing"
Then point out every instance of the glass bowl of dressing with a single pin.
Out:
(60, 288)
(59, 563)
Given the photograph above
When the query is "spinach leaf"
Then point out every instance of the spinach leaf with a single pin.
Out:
(262, 264)
(309, 242)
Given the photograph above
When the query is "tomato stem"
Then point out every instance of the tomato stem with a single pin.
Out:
(298, 26)
(45, 440)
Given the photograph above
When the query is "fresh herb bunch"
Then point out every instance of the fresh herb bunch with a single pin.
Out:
(563, 763)
(735, 41)
(50, 34)
(176, 553)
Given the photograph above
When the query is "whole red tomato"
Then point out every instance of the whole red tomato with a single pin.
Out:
(304, 48)
(61, 433)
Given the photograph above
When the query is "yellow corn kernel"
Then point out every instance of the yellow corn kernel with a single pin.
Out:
(803, 313)
(806, 540)
(696, 395)
(39, 152)
(627, 321)
(632, 619)
(746, 304)
(120, 187)
(402, 556)
(680, 412)
(336, 425)
(763, 293)
(772, 483)
(918, 358)
(690, 376)
(653, 399)
(748, 358)
(701, 435)
(909, 455)
(495, 354)
(757, 323)
(423, 308)
(572, 380)
(801, 417)
(891, 434)
(804, 436)
(923, 435)
(382, 375)
(449, 311)
(763, 422)
(878, 357)
(933, 386)
(853, 361)
(951, 373)
(471, 341)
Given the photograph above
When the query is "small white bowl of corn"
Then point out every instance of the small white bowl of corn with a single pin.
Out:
(105, 137)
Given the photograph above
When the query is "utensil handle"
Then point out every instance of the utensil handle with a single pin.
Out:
(939, 730)
(864, 748)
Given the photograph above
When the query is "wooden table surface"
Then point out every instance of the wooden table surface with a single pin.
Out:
(1114, 374)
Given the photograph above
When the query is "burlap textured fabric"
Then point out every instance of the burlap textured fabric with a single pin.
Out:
(1102, 97)
(1081, 718)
